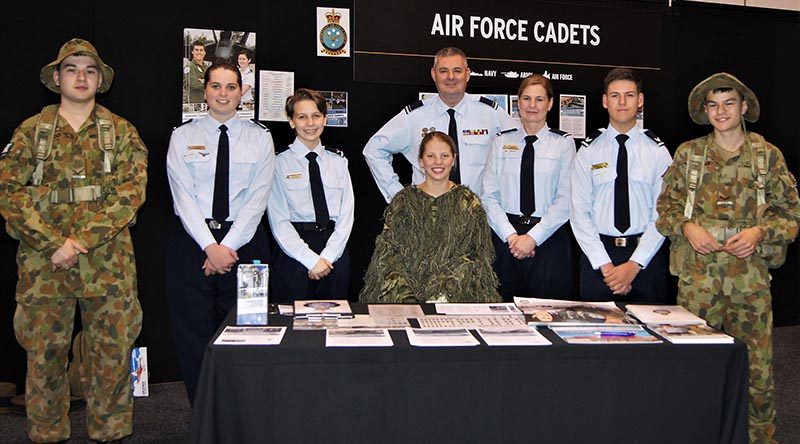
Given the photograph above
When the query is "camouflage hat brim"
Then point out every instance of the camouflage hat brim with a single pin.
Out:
(721, 80)
(76, 47)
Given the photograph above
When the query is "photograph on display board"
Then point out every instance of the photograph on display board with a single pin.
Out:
(337, 107)
(514, 100)
(572, 114)
(201, 48)
(500, 99)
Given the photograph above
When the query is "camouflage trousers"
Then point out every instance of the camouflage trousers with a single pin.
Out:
(43, 327)
(747, 317)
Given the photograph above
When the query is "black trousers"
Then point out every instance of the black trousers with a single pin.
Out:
(548, 274)
(199, 303)
(649, 286)
(289, 279)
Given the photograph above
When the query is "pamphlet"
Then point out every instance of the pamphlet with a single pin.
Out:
(634, 334)
(459, 322)
(233, 335)
(692, 334)
(477, 309)
(395, 310)
(368, 321)
(253, 294)
(322, 309)
(576, 313)
(512, 336)
(421, 337)
(358, 337)
(664, 314)
(139, 372)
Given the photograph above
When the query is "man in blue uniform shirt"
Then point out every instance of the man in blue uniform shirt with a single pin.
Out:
(471, 121)
(616, 179)
(220, 172)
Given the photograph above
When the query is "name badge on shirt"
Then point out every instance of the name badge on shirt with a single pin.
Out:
(197, 148)
(294, 176)
(510, 148)
(600, 165)
(475, 132)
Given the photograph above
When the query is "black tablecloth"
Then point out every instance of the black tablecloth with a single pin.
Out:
(302, 392)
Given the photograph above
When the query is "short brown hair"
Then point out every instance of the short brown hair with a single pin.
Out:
(536, 79)
(449, 51)
(222, 65)
(622, 74)
(306, 94)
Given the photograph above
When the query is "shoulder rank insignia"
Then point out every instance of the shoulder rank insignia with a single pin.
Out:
(488, 101)
(507, 131)
(334, 151)
(281, 149)
(413, 106)
(559, 132)
(652, 135)
(181, 124)
(254, 120)
(592, 137)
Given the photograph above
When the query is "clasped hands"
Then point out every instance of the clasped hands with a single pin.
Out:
(219, 259)
(741, 244)
(321, 269)
(521, 246)
(619, 278)
(67, 255)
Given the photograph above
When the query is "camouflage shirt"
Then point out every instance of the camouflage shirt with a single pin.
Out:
(100, 225)
(725, 202)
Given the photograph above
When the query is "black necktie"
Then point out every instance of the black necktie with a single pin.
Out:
(220, 210)
(622, 216)
(317, 191)
(452, 131)
(527, 199)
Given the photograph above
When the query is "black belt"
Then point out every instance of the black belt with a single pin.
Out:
(523, 220)
(313, 226)
(621, 241)
(214, 225)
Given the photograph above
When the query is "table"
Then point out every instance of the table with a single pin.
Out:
(302, 392)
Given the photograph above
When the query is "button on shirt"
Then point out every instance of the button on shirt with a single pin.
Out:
(291, 201)
(501, 181)
(592, 201)
(477, 124)
(191, 165)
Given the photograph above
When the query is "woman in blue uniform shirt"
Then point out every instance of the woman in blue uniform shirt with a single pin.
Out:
(525, 193)
(310, 209)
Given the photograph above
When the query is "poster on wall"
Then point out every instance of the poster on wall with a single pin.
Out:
(201, 48)
(572, 115)
(514, 100)
(640, 118)
(337, 107)
(333, 32)
(274, 88)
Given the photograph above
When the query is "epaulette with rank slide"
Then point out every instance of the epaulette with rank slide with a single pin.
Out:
(652, 135)
(488, 101)
(510, 130)
(559, 132)
(181, 124)
(281, 149)
(334, 151)
(592, 137)
(413, 106)
(254, 120)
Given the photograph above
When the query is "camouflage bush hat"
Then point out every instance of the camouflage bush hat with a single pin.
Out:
(76, 47)
(697, 98)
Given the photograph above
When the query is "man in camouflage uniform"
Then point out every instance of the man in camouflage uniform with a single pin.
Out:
(71, 181)
(195, 73)
(730, 207)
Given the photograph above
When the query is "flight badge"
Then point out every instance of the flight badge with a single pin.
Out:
(333, 36)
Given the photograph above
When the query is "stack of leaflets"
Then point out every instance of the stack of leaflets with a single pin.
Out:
(507, 308)
(556, 312)
(442, 337)
(322, 309)
(634, 334)
(358, 337)
(512, 336)
(678, 325)
(233, 335)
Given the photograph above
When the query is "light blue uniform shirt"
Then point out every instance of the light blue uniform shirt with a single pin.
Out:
(477, 125)
(291, 201)
(191, 167)
(553, 155)
(592, 209)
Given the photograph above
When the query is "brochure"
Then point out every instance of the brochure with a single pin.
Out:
(358, 337)
(459, 322)
(571, 313)
(322, 308)
(692, 334)
(512, 336)
(233, 335)
(664, 314)
(477, 309)
(605, 335)
(421, 337)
